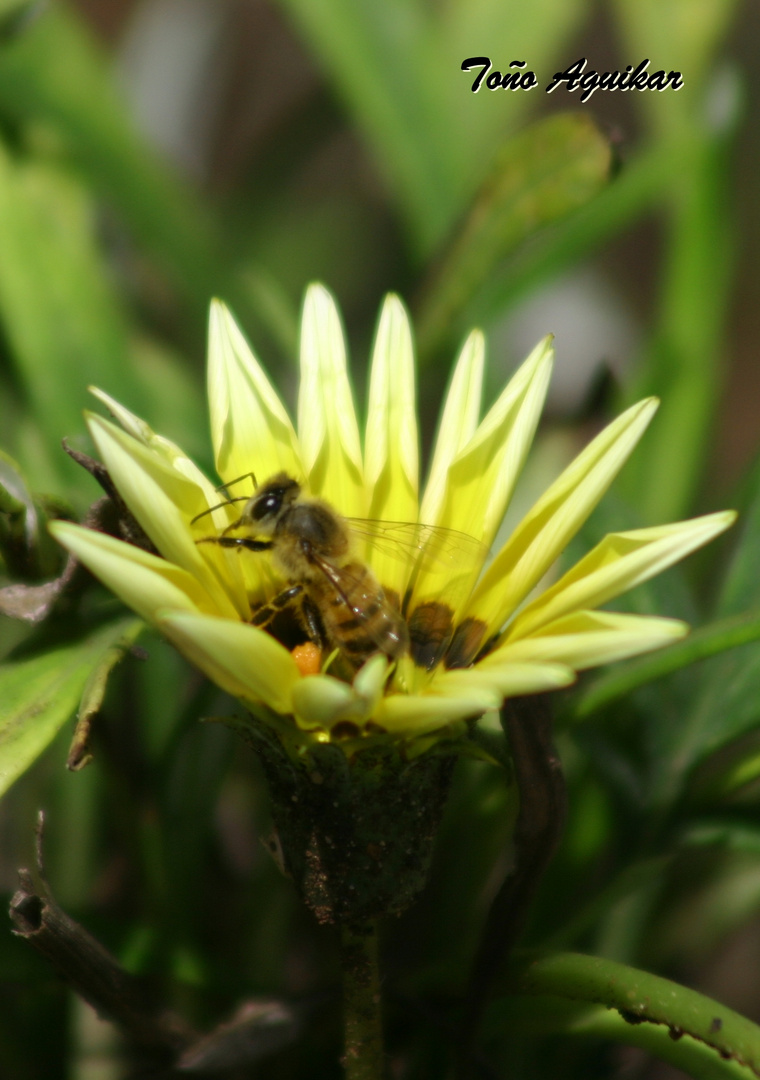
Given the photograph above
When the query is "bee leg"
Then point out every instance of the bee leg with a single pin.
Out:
(237, 541)
(313, 623)
(267, 612)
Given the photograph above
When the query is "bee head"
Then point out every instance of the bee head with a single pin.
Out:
(265, 508)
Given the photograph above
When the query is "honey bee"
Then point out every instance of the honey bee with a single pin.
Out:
(337, 599)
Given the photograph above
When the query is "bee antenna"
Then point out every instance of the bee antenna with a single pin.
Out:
(211, 509)
(223, 487)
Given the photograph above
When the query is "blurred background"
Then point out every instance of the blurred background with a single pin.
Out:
(156, 153)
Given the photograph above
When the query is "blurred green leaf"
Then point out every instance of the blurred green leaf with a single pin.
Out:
(639, 186)
(731, 835)
(741, 587)
(60, 316)
(15, 16)
(398, 66)
(682, 364)
(724, 699)
(682, 33)
(709, 640)
(39, 695)
(55, 72)
(378, 56)
(175, 403)
(541, 175)
(742, 771)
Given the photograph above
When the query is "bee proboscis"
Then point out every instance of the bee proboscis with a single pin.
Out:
(337, 598)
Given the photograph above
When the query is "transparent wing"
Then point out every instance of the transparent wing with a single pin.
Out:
(372, 608)
(427, 546)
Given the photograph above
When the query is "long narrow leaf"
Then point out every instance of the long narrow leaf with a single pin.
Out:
(39, 695)
(707, 641)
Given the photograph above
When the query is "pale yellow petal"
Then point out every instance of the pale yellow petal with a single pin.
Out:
(417, 714)
(546, 530)
(327, 427)
(528, 676)
(325, 701)
(482, 476)
(369, 681)
(250, 428)
(616, 564)
(458, 422)
(163, 502)
(390, 450)
(322, 700)
(238, 657)
(588, 638)
(391, 466)
(145, 582)
(170, 452)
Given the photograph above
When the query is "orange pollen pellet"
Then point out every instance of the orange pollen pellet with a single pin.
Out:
(308, 658)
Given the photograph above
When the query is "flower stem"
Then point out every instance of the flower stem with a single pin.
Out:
(362, 1014)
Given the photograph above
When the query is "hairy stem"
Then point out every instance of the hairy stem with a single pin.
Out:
(362, 1014)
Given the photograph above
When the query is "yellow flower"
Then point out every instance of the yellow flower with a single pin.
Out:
(202, 595)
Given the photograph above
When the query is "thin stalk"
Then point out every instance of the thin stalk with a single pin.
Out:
(363, 1057)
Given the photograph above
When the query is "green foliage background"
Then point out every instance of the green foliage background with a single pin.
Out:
(386, 173)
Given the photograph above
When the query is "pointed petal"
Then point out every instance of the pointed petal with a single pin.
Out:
(391, 465)
(556, 517)
(325, 701)
(145, 582)
(165, 448)
(327, 427)
(369, 681)
(164, 501)
(588, 638)
(528, 676)
(482, 476)
(616, 564)
(416, 714)
(322, 700)
(458, 422)
(250, 428)
(243, 660)
(391, 456)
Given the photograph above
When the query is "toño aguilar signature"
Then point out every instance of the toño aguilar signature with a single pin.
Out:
(575, 77)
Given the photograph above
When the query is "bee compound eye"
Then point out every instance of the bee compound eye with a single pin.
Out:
(267, 504)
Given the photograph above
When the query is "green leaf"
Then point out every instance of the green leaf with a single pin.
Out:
(55, 72)
(540, 176)
(638, 188)
(708, 1040)
(398, 67)
(692, 31)
(59, 313)
(723, 703)
(94, 692)
(39, 695)
(54, 75)
(707, 641)
(547, 1015)
(730, 835)
(682, 362)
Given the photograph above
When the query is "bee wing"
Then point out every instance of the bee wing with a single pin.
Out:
(369, 604)
(423, 545)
